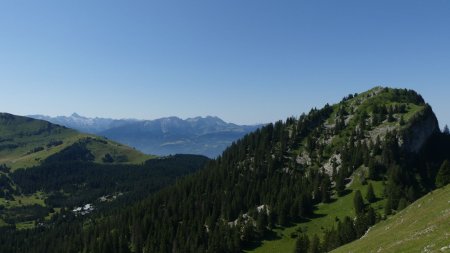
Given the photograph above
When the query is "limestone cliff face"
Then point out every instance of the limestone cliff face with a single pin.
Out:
(418, 130)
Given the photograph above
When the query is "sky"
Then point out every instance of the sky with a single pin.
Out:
(246, 61)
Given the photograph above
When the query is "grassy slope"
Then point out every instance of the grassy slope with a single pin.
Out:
(26, 134)
(99, 149)
(326, 218)
(424, 226)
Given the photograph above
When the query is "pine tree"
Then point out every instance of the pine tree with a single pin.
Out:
(346, 230)
(360, 225)
(370, 196)
(402, 121)
(340, 183)
(358, 203)
(443, 175)
(302, 244)
(402, 204)
(411, 194)
(372, 170)
(446, 130)
(371, 217)
(261, 222)
(391, 115)
(388, 207)
(315, 245)
(331, 240)
(325, 189)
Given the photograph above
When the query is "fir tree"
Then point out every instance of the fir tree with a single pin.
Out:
(302, 244)
(390, 115)
(346, 230)
(402, 121)
(372, 170)
(360, 225)
(446, 130)
(388, 207)
(402, 204)
(315, 245)
(443, 175)
(340, 183)
(371, 217)
(261, 222)
(358, 203)
(370, 195)
(325, 189)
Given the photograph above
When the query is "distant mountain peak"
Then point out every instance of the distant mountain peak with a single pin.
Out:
(206, 118)
(76, 115)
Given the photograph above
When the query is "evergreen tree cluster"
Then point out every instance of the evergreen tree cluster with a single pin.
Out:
(346, 231)
(71, 184)
(271, 177)
(215, 210)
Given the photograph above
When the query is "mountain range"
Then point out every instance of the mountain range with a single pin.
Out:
(207, 136)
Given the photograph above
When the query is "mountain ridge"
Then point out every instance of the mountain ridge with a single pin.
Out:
(299, 175)
(208, 135)
(26, 142)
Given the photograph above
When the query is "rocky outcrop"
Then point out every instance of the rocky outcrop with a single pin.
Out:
(419, 129)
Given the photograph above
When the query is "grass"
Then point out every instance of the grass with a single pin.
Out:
(326, 215)
(24, 200)
(50, 215)
(25, 225)
(424, 226)
(100, 148)
(21, 136)
(22, 158)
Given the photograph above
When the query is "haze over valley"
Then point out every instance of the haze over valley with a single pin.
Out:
(207, 136)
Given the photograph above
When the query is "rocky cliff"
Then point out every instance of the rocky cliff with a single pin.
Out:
(422, 125)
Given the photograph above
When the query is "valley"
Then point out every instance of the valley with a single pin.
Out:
(299, 185)
(224, 126)
(48, 169)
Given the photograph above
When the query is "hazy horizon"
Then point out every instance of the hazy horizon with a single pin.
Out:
(139, 119)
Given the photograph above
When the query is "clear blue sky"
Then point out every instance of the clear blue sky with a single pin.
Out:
(242, 60)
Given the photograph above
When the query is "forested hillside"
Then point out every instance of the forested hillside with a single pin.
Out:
(47, 170)
(26, 142)
(38, 195)
(273, 178)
